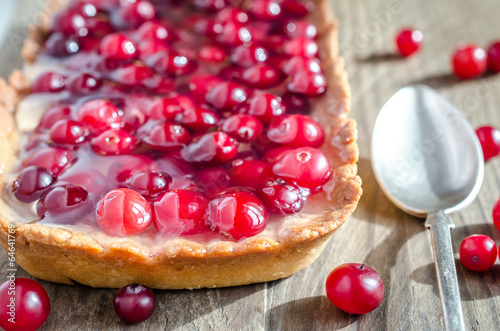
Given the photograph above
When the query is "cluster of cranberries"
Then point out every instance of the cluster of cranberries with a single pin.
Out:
(188, 116)
(468, 61)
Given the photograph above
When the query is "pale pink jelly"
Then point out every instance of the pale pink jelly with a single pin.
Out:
(152, 121)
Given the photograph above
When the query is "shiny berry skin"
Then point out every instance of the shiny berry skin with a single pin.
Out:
(128, 165)
(132, 75)
(51, 158)
(134, 303)
(50, 82)
(65, 204)
(244, 128)
(83, 83)
(280, 196)
(250, 173)
(180, 212)
(246, 56)
(59, 45)
(354, 288)
(478, 252)
(297, 8)
(200, 85)
(301, 46)
(261, 76)
(237, 214)
(152, 30)
(489, 137)
(265, 9)
(213, 180)
(296, 103)
(226, 95)
(99, 114)
(171, 62)
(408, 41)
(150, 183)
(300, 63)
(32, 305)
(233, 35)
(31, 183)
(469, 61)
(296, 131)
(68, 132)
(197, 119)
(132, 14)
(301, 29)
(113, 142)
(231, 14)
(52, 115)
(118, 47)
(496, 215)
(275, 154)
(307, 166)
(213, 147)
(167, 136)
(310, 84)
(163, 108)
(123, 212)
(264, 106)
(494, 57)
(212, 54)
(70, 22)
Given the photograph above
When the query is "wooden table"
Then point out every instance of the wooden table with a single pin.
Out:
(393, 243)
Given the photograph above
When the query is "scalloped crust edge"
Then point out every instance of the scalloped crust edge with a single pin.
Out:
(61, 256)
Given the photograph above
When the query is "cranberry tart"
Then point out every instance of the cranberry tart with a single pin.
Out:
(176, 144)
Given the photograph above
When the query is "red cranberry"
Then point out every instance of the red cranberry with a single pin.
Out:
(68, 132)
(296, 103)
(132, 14)
(60, 45)
(197, 119)
(126, 166)
(301, 29)
(301, 63)
(237, 214)
(52, 115)
(469, 61)
(167, 136)
(134, 303)
(212, 54)
(215, 147)
(164, 108)
(261, 76)
(496, 214)
(275, 154)
(65, 204)
(275, 42)
(308, 83)
(355, 288)
(114, 142)
(54, 159)
(83, 83)
(244, 128)
(226, 95)
(478, 252)
(264, 106)
(171, 62)
(307, 166)
(212, 5)
(213, 180)
(180, 212)
(265, 9)
(206, 26)
(150, 183)
(91, 180)
(489, 137)
(131, 75)
(281, 197)
(159, 84)
(200, 85)
(408, 41)
(31, 305)
(231, 72)
(233, 35)
(246, 56)
(31, 183)
(494, 57)
(148, 48)
(123, 212)
(301, 46)
(48, 82)
(297, 8)
(173, 164)
(118, 47)
(296, 131)
(152, 30)
(99, 114)
(98, 27)
(251, 173)
(70, 22)
(231, 14)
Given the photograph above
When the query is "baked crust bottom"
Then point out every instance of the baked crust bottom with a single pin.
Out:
(62, 256)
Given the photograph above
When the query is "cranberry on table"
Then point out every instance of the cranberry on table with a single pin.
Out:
(496, 214)
(31, 183)
(180, 212)
(469, 61)
(134, 303)
(296, 131)
(355, 288)
(150, 183)
(494, 57)
(281, 196)
(31, 305)
(408, 41)
(478, 252)
(237, 214)
(123, 212)
(489, 137)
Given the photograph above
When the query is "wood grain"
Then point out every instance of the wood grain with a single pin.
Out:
(393, 243)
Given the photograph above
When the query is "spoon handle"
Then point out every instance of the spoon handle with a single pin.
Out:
(441, 225)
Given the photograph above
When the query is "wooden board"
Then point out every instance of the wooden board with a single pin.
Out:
(393, 243)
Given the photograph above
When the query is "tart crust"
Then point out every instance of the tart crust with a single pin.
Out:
(61, 256)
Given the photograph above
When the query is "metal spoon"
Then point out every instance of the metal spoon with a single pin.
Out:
(428, 161)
